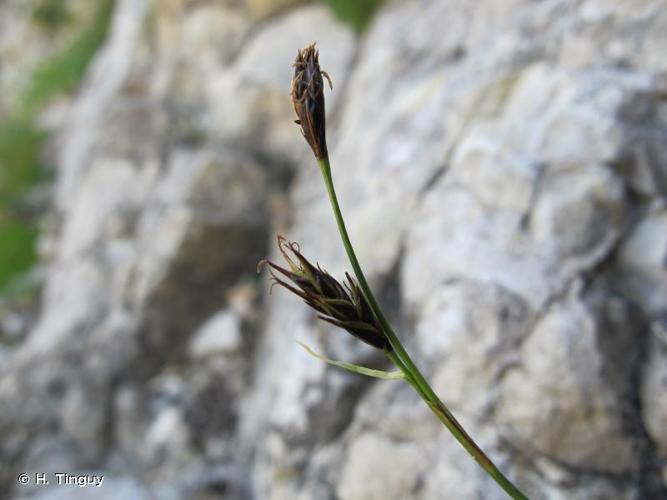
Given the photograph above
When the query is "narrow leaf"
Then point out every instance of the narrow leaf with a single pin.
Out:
(361, 370)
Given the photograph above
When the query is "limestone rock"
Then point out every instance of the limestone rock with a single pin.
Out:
(642, 260)
(653, 387)
(558, 362)
(369, 457)
(220, 334)
(469, 335)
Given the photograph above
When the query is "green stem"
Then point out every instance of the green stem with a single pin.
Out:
(402, 360)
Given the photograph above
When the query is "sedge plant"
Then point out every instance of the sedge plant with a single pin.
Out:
(352, 305)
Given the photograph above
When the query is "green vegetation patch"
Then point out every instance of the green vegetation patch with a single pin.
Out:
(356, 13)
(17, 252)
(22, 142)
(63, 71)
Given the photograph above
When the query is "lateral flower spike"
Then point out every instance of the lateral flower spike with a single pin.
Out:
(308, 99)
(342, 305)
(351, 367)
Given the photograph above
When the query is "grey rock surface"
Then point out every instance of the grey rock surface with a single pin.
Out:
(503, 170)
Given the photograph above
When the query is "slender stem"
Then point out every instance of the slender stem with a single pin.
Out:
(402, 360)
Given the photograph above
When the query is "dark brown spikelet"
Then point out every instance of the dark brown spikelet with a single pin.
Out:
(308, 99)
(342, 305)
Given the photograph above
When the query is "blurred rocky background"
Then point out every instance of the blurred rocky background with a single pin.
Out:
(503, 169)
